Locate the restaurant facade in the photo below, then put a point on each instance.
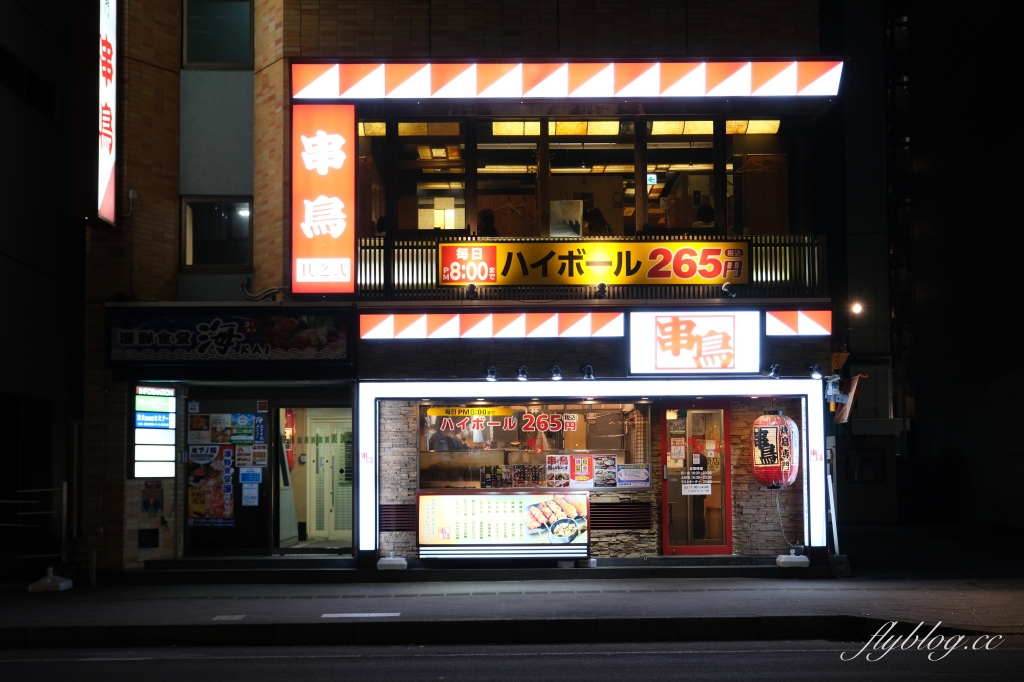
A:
(543, 307)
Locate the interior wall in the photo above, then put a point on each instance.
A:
(300, 472)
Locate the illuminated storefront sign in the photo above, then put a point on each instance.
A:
(798, 323)
(155, 421)
(107, 208)
(592, 263)
(490, 325)
(493, 525)
(323, 198)
(695, 343)
(566, 80)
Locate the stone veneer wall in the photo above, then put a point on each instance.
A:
(755, 521)
(398, 454)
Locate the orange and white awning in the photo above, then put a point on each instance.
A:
(490, 325)
(375, 80)
(798, 323)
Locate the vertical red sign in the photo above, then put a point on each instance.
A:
(323, 198)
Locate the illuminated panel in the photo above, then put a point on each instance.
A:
(323, 198)
(155, 419)
(490, 325)
(107, 207)
(560, 80)
(809, 389)
(798, 323)
(682, 342)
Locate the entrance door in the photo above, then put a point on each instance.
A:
(330, 479)
(696, 486)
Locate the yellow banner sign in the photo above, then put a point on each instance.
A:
(469, 411)
(592, 263)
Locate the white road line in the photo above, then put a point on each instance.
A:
(360, 615)
(228, 617)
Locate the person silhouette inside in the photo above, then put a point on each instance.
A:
(705, 217)
(596, 224)
(485, 224)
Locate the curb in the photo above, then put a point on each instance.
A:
(533, 631)
(220, 576)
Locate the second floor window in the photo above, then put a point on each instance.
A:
(218, 33)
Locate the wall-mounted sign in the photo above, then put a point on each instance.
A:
(463, 411)
(155, 419)
(490, 325)
(798, 323)
(107, 206)
(549, 524)
(593, 263)
(210, 337)
(374, 80)
(323, 198)
(210, 488)
(695, 343)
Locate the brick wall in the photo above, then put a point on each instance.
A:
(276, 22)
(549, 28)
(755, 520)
(136, 260)
(398, 453)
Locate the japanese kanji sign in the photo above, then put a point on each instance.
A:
(106, 48)
(592, 263)
(323, 198)
(695, 343)
(185, 338)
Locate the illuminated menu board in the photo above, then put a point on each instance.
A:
(155, 422)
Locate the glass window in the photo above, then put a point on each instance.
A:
(431, 176)
(217, 233)
(680, 175)
(538, 445)
(218, 32)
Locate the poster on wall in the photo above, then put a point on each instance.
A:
(581, 471)
(503, 519)
(210, 491)
(633, 476)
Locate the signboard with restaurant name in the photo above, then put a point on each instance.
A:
(107, 159)
(324, 158)
(683, 342)
(593, 263)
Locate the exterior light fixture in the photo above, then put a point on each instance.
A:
(774, 371)
(492, 373)
(727, 290)
(522, 374)
(856, 308)
(471, 292)
(602, 291)
(815, 371)
(244, 212)
(587, 371)
(556, 372)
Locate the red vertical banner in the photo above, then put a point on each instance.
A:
(324, 157)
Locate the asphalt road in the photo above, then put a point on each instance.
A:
(805, 660)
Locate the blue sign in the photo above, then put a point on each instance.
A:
(250, 474)
(154, 420)
(260, 430)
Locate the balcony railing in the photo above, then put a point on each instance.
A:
(781, 266)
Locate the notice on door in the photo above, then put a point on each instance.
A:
(210, 490)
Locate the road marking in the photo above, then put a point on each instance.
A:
(360, 615)
(228, 617)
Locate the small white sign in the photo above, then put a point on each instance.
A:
(250, 495)
(193, 407)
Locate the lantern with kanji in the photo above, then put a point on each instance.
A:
(774, 450)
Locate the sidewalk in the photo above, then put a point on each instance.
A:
(503, 612)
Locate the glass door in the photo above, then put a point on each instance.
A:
(330, 470)
(696, 485)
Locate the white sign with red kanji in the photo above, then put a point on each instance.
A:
(107, 125)
(680, 342)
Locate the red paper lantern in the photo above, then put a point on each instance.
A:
(774, 450)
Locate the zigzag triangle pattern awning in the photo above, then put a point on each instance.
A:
(798, 323)
(565, 80)
(491, 325)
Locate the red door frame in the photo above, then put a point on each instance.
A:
(692, 404)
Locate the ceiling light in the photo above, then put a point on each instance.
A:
(735, 127)
(492, 373)
(774, 371)
(522, 374)
(556, 372)
(602, 127)
(815, 371)
(762, 127)
(667, 128)
(587, 372)
(699, 128)
(372, 129)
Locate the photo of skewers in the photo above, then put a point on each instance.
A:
(542, 517)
